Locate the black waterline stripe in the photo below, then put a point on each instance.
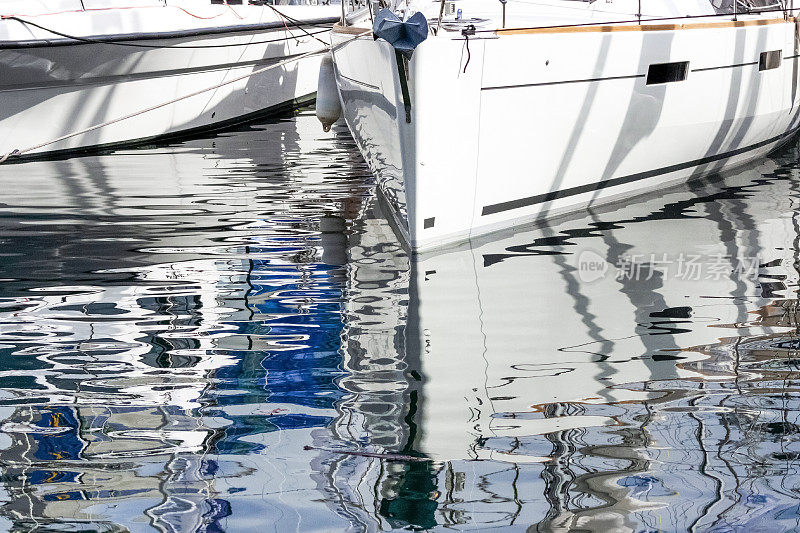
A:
(287, 107)
(120, 78)
(587, 80)
(725, 66)
(154, 36)
(591, 187)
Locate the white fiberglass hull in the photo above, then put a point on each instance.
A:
(528, 124)
(52, 86)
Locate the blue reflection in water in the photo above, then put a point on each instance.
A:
(218, 510)
(64, 443)
(303, 372)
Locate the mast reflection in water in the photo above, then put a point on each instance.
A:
(225, 335)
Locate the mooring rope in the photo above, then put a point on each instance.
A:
(17, 152)
(295, 22)
(122, 42)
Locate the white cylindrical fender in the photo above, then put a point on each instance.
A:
(328, 107)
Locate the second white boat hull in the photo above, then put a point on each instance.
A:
(51, 88)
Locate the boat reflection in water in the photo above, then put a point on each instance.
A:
(626, 370)
(167, 324)
(217, 336)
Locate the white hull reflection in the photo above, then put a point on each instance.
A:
(545, 395)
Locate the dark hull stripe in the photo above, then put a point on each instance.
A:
(725, 66)
(357, 82)
(158, 36)
(122, 78)
(590, 80)
(587, 80)
(592, 187)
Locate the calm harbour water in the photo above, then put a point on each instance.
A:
(225, 335)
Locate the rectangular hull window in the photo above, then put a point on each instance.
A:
(769, 60)
(667, 72)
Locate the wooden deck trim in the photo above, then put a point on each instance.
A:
(644, 27)
(348, 30)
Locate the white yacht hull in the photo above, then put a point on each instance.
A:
(527, 124)
(51, 87)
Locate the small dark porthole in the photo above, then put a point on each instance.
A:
(769, 60)
(667, 72)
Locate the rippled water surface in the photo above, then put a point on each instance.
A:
(225, 335)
